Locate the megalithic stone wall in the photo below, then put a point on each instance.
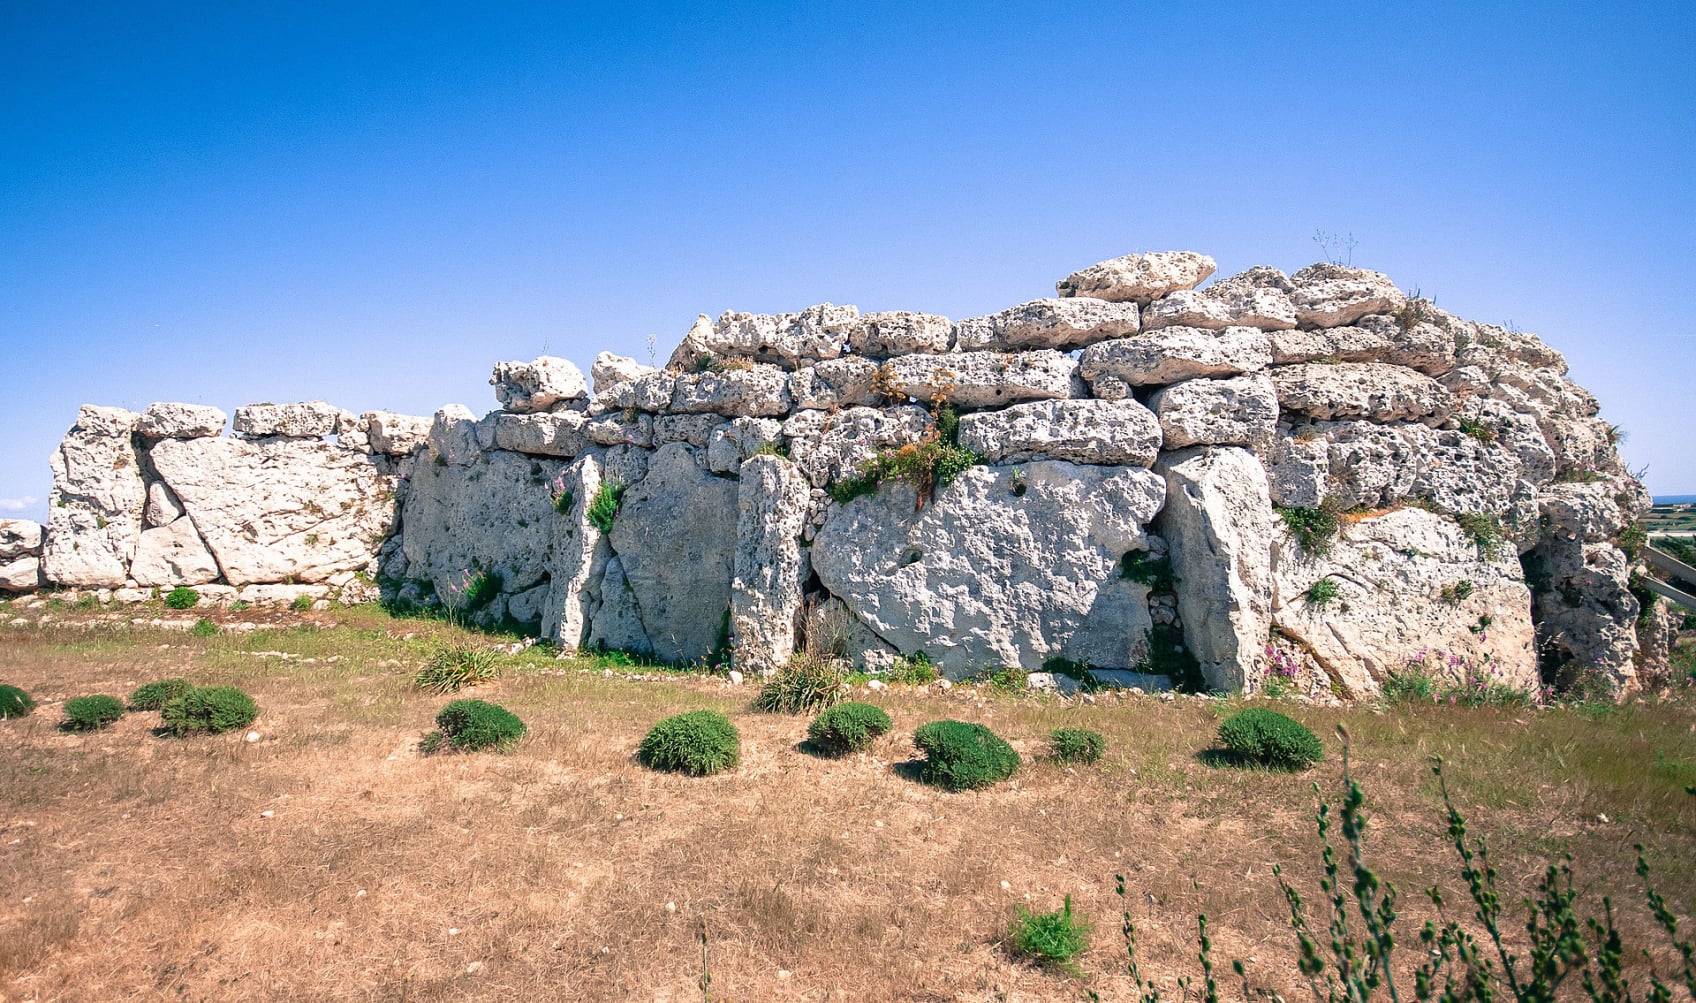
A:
(1107, 479)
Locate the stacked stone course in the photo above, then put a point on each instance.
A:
(1137, 416)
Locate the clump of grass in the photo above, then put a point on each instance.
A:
(14, 702)
(927, 466)
(1051, 939)
(808, 682)
(91, 713)
(1146, 569)
(914, 670)
(209, 709)
(847, 727)
(1456, 593)
(1409, 685)
(470, 725)
(1270, 739)
(1476, 429)
(603, 508)
(204, 628)
(1076, 745)
(1313, 528)
(1007, 679)
(154, 695)
(961, 756)
(1485, 531)
(1165, 654)
(456, 666)
(1322, 593)
(301, 603)
(697, 742)
(181, 597)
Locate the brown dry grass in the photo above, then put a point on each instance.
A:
(140, 867)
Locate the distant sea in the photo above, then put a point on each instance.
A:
(1675, 499)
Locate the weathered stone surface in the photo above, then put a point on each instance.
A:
(737, 440)
(20, 574)
(1047, 323)
(1114, 433)
(395, 434)
(985, 577)
(615, 622)
(831, 629)
(987, 379)
(1500, 426)
(279, 595)
(770, 567)
(173, 555)
(1327, 295)
(94, 513)
(453, 436)
(761, 391)
(1174, 354)
(579, 557)
(1373, 466)
(1378, 338)
(1235, 412)
(1138, 278)
(165, 420)
(557, 433)
(280, 509)
(1298, 469)
(837, 383)
(1370, 390)
(1217, 524)
(787, 339)
(1259, 297)
(1391, 612)
(830, 447)
(300, 420)
(609, 370)
(890, 333)
(1582, 446)
(649, 392)
(1585, 613)
(695, 429)
(493, 516)
(19, 538)
(635, 429)
(1587, 513)
(1109, 388)
(543, 384)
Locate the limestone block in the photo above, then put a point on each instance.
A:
(302, 420)
(1174, 354)
(556, 433)
(987, 379)
(889, 333)
(1114, 433)
(394, 434)
(1138, 278)
(1235, 412)
(94, 513)
(770, 566)
(173, 555)
(1327, 295)
(543, 384)
(180, 421)
(1047, 323)
(1370, 390)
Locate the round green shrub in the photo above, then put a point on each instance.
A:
(91, 713)
(478, 724)
(14, 702)
(181, 597)
(209, 709)
(847, 727)
(1271, 739)
(697, 742)
(961, 756)
(1077, 745)
(154, 695)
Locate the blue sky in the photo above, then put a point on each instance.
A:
(371, 203)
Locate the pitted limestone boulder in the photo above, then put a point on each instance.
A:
(1329, 295)
(20, 538)
(543, 384)
(391, 434)
(738, 439)
(20, 574)
(790, 340)
(173, 555)
(1406, 591)
(300, 420)
(609, 370)
(651, 392)
(1234, 412)
(760, 391)
(1138, 278)
(279, 509)
(831, 447)
(94, 513)
(1362, 464)
(166, 420)
(1047, 323)
(1377, 338)
(1111, 433)
(672, 540)
(1585, 613)
(557, 433)
(837, 383)
(1259, 297)
(1217, 524)
(986, 379)
(493, 517)
(579, 555)
(991, 575)
(1374, 391)
(770, 566)
(1175, 354)
(889, 333)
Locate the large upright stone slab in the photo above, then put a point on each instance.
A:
(1006, 567)
(1218, 527)
(579, 555)
(493, 516)
(1408, 591)
(94, 513)
(765, 594)
(279, 510)
(173, 555)
(673, 537)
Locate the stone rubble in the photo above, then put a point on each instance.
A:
(1134, 452)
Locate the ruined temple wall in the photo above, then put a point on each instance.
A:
(1141, 443)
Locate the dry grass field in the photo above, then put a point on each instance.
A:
(330, 861)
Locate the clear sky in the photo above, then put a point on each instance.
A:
(371, 203)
